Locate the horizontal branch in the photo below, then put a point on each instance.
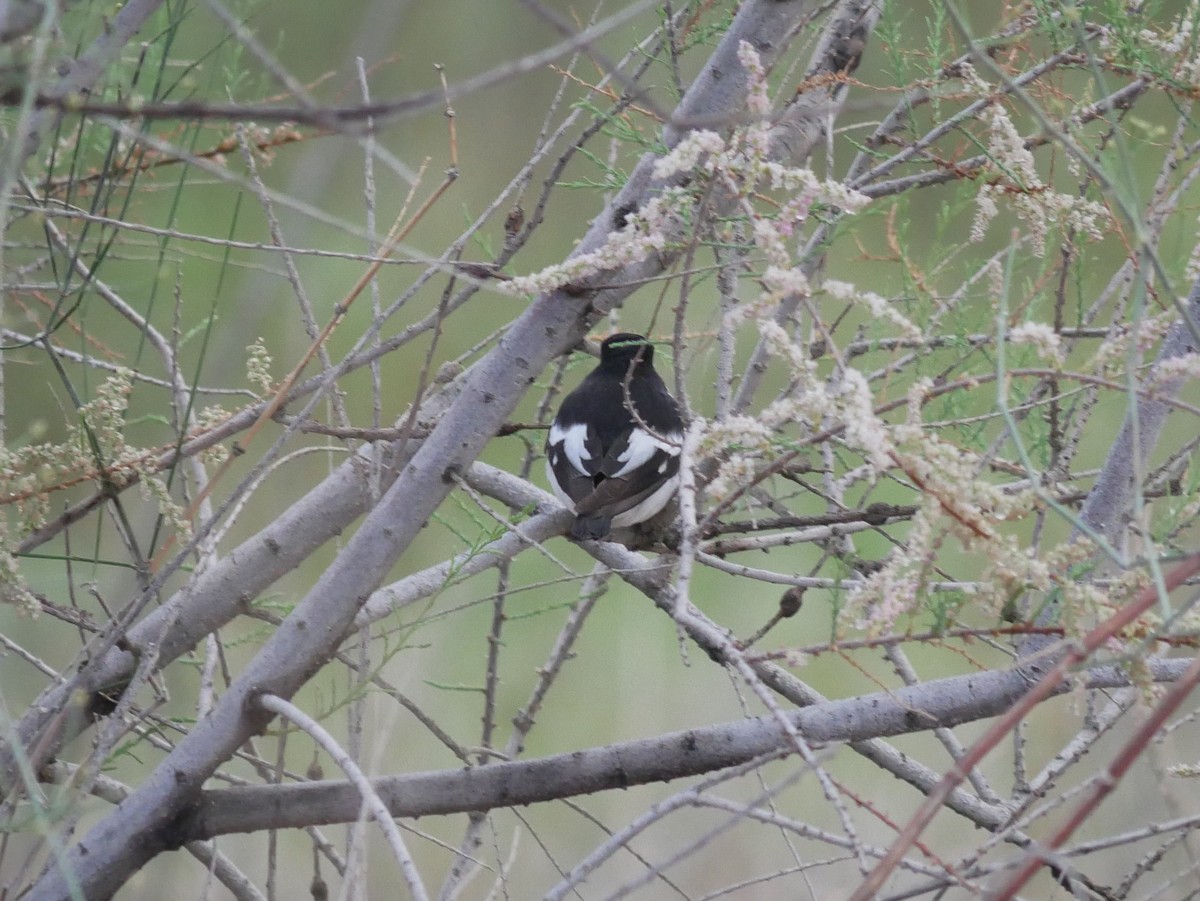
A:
(65, 99)
(676, 755)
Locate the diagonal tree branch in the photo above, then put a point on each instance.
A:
(144, 825)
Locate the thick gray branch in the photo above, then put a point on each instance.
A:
(1108, 503)
(147, 823)
(210, 600)
(942, 703)
(1105, 512)
(82, 74)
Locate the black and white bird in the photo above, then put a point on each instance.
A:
(613, 451)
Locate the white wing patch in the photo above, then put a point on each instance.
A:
(573, 440)
(642, 446)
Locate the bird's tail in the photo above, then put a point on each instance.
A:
(591, 526)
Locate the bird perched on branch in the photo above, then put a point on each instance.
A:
(613, 451)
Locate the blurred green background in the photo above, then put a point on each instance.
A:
(630, 677)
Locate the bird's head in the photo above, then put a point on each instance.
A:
(625, 348)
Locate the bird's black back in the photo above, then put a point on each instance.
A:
(612, 387)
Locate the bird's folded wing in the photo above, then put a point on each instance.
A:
(617, 494)
(571, 482)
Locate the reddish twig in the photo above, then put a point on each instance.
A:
(955, 776)
(1103, 784)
